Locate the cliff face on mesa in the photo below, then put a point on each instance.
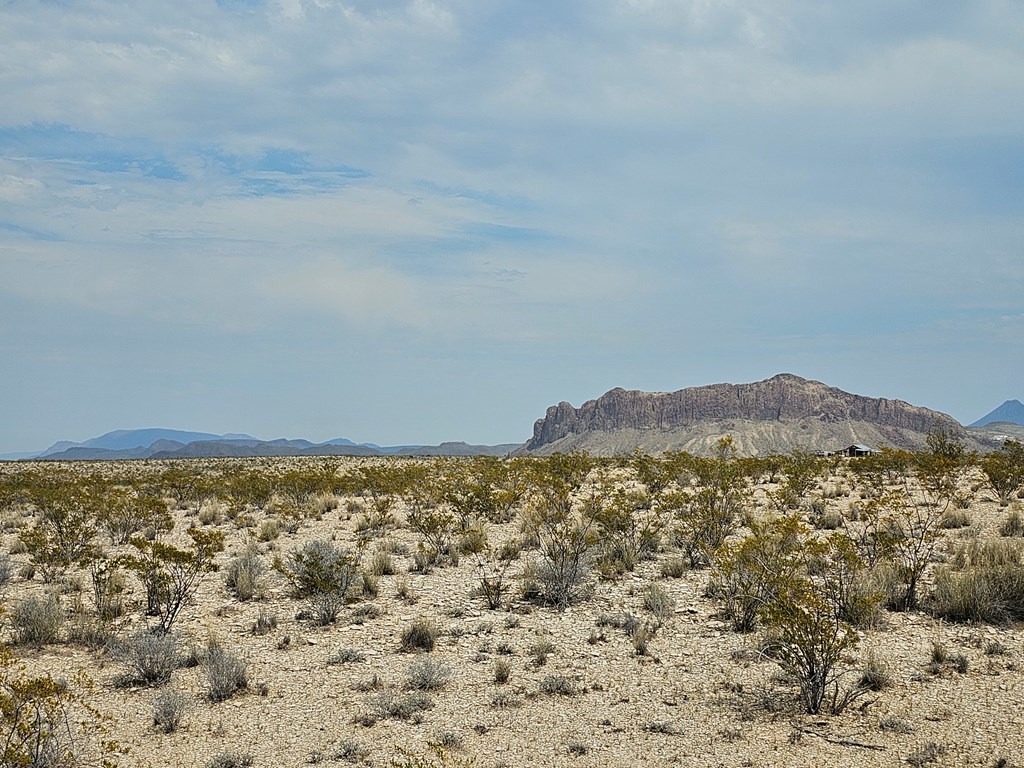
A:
(779, 414)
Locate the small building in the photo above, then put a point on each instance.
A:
(850, 451)
(856, 451)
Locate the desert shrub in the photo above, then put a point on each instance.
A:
(172, 575)
(231, 760)
(350, 751)
(955, 518)
(399, 706)
(108, 587)
(1013, 526)
(6, 569)
(629, 524)
(875, 674)
(540, 650)
(382, 564)
(150, 658)
(673, 567)
(751, 573)
(43, 724)
(321, 573)
(558, 685)
(1005, 470)
(642, 637)
(421, 635)
(37, 620)
(64, 529)
(502, 671)
(226, 674)
(243, 574)
(346, 655)
(708, 511)
(992, 594)
(265, 623)
(168, 709)
(658, 602)
(427, 674)
(85, 629)
(929, 753)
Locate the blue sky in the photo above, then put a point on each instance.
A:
(417, 221)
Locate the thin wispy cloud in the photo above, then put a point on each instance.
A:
(449, 214)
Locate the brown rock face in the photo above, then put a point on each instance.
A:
(815, 410)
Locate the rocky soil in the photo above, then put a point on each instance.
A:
(701, 696)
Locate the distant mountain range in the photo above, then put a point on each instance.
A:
(156, 443)
(1010, 412)
(777, 415)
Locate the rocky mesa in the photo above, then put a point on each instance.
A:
(777, 415)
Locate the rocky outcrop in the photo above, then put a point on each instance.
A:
(773, 409)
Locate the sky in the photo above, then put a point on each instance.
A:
(408, 221)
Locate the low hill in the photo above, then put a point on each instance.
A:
(777, 415)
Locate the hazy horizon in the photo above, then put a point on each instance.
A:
(413, 221)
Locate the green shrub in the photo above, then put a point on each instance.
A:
(323, 574)
(502, 671)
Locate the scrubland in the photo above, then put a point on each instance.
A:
(672, 610)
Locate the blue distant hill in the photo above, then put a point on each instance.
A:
(1011, 411)
(127, 439)
(176, 444)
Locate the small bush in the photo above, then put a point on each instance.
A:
(421, 635)
(396, 706)
(265, 623)
(226, 674)
(954, 519)
(427, 674)
(346, 656)
(151, 658)
(382, 564)
(540, 651)
(1013, 526)
(674, 567)
(875, 675)
(895, 725)
(350, 751)
(502, 671)
(6, 570)
(243, 574)
(231, 760)
(37, 620)
(641, 639)
(659, 603)
(168, 709)
(930, 753)
(558, 685)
